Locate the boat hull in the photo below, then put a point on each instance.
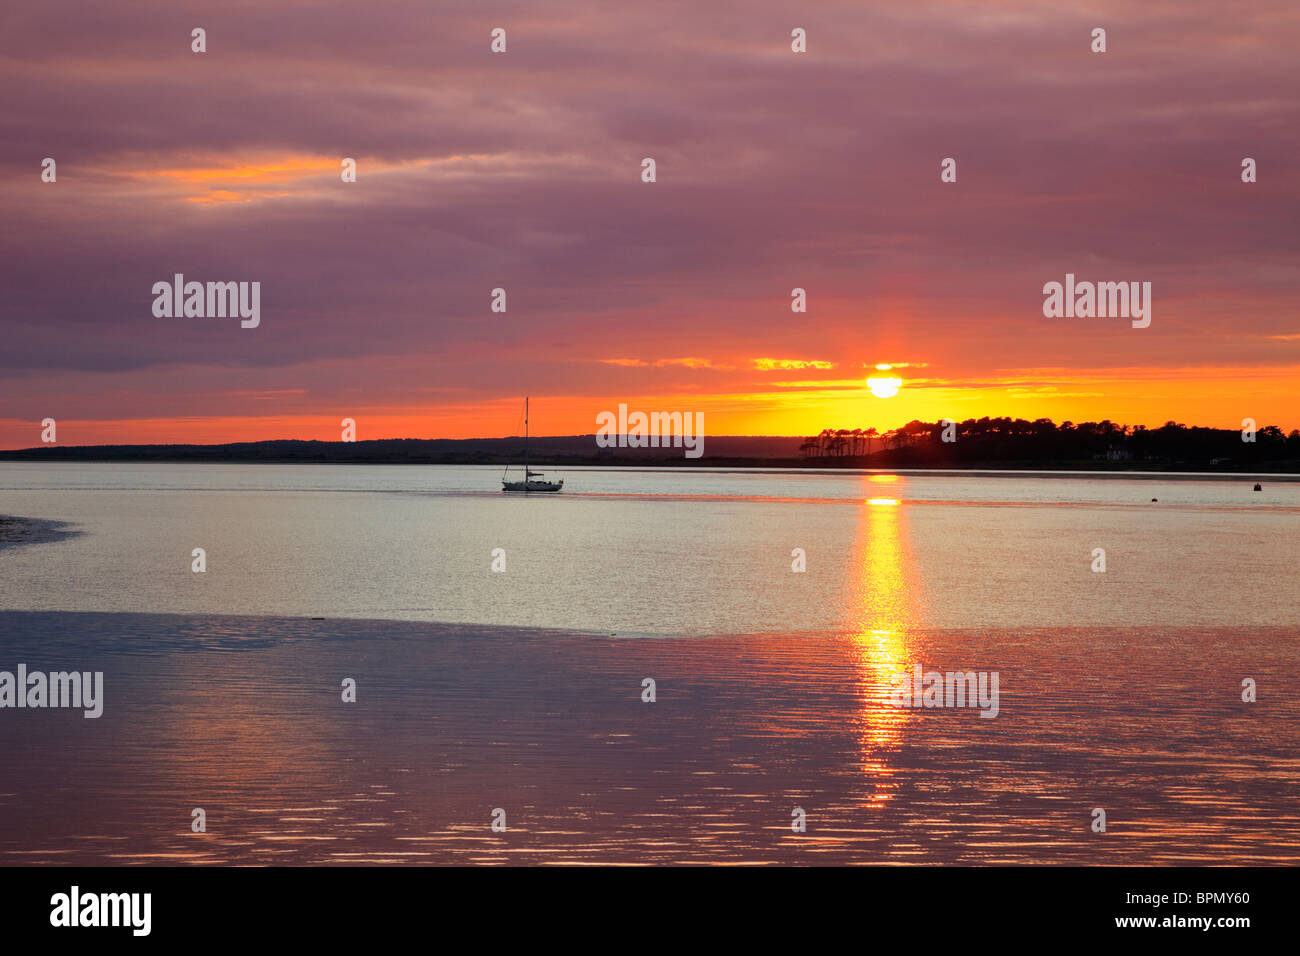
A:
(532, 487)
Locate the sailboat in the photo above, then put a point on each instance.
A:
(529, 484)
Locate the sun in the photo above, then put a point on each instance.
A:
(884, 387)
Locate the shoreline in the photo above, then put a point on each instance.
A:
(17, 530)
(719, 466)
(476, 630)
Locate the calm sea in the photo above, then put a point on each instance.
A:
(523, 691)
(656, 552)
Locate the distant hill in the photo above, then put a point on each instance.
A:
(1001, 443)
(558, 450)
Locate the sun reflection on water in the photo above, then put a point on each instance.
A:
(883, 612)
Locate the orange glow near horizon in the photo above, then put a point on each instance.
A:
(797, 409)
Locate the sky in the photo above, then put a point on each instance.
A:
(522, 170)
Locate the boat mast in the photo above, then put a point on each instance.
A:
(525, 444)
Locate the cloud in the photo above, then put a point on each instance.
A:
(769, 364)
(521, 171)
(689, 362)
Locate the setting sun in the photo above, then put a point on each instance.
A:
(884, 387)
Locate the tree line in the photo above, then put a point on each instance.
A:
(1018, 440)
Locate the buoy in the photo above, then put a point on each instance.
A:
(1155, 499)
(1259, 488)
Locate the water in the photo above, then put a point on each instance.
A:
(1119, 691)
(656, 552)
